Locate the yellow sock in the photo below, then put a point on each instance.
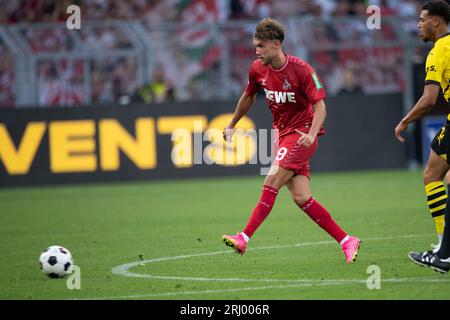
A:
(439, 222)
(437, 202)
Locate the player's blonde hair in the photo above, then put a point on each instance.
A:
(269, 29)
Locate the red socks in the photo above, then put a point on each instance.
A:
(321, 216)
(261, 210)
(311, 207)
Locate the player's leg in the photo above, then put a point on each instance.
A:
(437, 167)
(299, 187)
(447, 178)
(433, 176)
(444, 250)
(276, 178)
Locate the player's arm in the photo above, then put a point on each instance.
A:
(313, 89)
(422, 107)
(243, 106)
(320, 114)
(434, 67)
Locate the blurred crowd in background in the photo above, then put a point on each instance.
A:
(189, 61)
(15, 11)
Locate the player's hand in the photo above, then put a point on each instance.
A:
(228, 134)
(305, 139)
(399, 129)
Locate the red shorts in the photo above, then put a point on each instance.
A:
(293, 157)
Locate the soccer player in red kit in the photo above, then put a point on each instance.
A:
(295, 96)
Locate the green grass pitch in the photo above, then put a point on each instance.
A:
(176, 228)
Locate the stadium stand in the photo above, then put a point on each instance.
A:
(197, 46)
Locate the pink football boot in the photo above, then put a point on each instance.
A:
(350, 248)
(237, 242)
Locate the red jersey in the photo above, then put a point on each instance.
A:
(290, 92)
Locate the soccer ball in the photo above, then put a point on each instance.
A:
(56, 261)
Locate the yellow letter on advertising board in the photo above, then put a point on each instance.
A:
(239, 151)
(141, 150)
(18, 161)
(181, 129)
(182, 148)
(72, 146)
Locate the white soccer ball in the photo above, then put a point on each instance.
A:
(56, 261)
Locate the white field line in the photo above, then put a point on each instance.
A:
(307, 283)
(123, 270)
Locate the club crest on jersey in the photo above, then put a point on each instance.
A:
(263, 82)
(286, 85)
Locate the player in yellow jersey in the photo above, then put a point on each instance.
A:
(433, 26)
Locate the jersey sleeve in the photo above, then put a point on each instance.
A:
(312, 86)
(434, 67)
(252, 85)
